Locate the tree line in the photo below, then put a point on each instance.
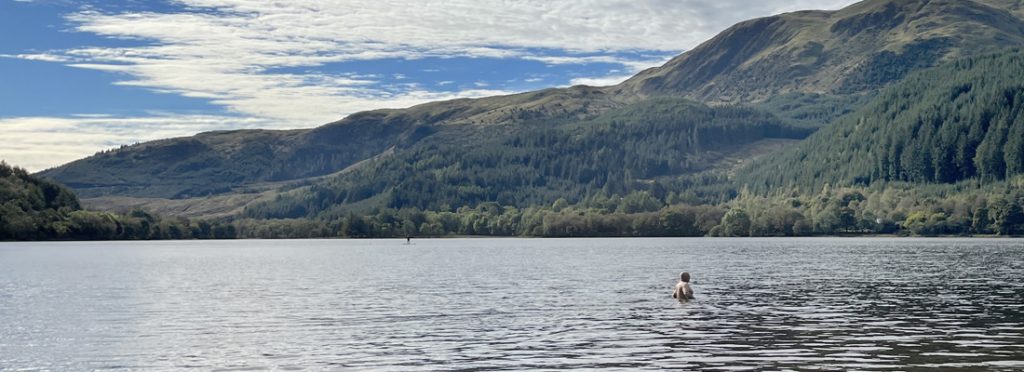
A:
(900, 209)
(905, 209)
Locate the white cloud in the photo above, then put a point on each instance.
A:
(614, 76)
(600, 81)
(42, 57)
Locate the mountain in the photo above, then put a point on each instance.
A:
(958, 122)
(219, 162)
(852, 50)
(756, 87)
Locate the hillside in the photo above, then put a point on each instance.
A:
(852, 50)
(220, 162)
(22, 192)
(654, 145)
(791, 71)
(33, 208)
(961, 121)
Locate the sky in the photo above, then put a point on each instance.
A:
(81, 76)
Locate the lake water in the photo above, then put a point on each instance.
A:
(513, 304)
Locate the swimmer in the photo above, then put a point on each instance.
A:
(683, 291)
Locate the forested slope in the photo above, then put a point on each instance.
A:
(655, 145)
(957, 122)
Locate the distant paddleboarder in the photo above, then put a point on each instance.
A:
(683, 292)
(408, 239)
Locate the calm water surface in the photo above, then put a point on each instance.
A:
(514, 304)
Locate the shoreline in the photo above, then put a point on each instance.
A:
(481, 237)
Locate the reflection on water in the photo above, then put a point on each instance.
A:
(513, 304)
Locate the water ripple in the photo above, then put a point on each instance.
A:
(509, 304)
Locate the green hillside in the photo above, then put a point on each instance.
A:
(961, 121)
(239, 161)
(22, 194)
(655, 146)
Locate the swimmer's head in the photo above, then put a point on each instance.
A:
(685, 276)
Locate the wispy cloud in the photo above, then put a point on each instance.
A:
(630, 64)
(43, 57)
(600, 81)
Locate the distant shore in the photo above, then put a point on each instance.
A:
(455, 237)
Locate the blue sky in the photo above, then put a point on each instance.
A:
(82, 76)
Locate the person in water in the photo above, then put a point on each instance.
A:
(683, 290)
